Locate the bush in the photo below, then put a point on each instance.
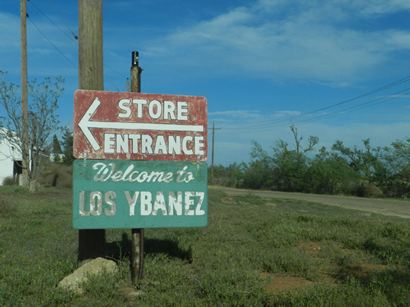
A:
(257, 175)
(230, 176)
(330, 175)
(9, 181)
(368, 189)
(5, 208)
(56, 175)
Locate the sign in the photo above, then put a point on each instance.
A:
(135, 126)
(139, 194)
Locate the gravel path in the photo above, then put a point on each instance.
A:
(385, 206)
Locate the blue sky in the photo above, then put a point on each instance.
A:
(262, 64)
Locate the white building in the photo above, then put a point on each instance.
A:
(10, 158)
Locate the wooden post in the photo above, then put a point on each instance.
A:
(24, 96)
(90, 74)
(137, 244)
(135, 72)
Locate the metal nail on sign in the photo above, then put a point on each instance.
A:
(139, 194)
(135, 126)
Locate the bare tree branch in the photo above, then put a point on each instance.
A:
(43, 119)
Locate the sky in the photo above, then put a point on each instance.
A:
(336, 69)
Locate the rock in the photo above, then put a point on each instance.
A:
(74, 281)
(130, 293)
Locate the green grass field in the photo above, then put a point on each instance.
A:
(254, 252)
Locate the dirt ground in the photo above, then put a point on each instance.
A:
(385, 206)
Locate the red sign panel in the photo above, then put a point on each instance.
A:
(135, 126)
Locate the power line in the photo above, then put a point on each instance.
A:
(275, 122)
(383, 87)
(50, 42)
(360, 106)
(327, 115)
(363, 105)
(68, 32)
(317, 117)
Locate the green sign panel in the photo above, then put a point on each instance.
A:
(139, 194)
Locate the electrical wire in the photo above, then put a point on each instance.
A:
(262, 123)
(311, 119)
(359, 106)
(274, 121)
(68, 32)
(51, 43)
(302, 117)
(383, 87)
(112, 71)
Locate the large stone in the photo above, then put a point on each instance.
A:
(130, 292)
(74, 281)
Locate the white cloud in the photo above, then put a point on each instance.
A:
(286, 113)
(242, 119)
(378, 6)
(399, 39)
(43, 58)
(9, 31)
(396, 96)
(288, 40)
(239, 114)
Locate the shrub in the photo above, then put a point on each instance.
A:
(56, 175)
(368, 189)
(9, 181)
(4, 208)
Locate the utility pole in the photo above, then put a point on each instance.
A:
(213, 150)
(91, 242)
(24, 97)
(137, 247)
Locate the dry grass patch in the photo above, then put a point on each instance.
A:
(227, 200)
(311, 248)
(282, 283)
(361, 271)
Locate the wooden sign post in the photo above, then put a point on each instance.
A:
(141, 160)
(91, 243)
(137, 234)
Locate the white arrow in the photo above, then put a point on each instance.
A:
(85, 124)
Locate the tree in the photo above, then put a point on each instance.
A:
(312, 141)
(397, 156)
(56, 149)
(285, 169)
(56, 145)
(68, 146)
(368, 165)
(258, 173)
(397, 161)
(231, 175)
(330, 174)
(291, 165)
(43, 119)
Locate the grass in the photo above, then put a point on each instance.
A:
(255, 251)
